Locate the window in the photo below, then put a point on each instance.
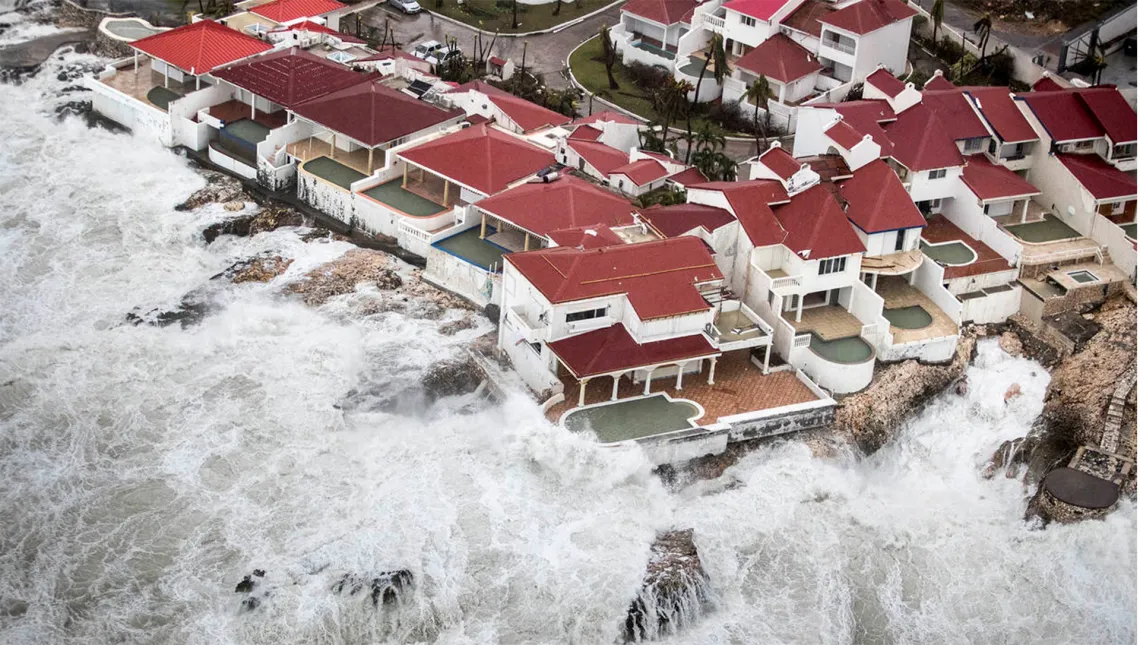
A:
(581, 164)
(973, 144)
(832, 265)
(938, 174)
(1118, 208)
(621, 183)
(537, 347)
(900, 240)
(748, 21)
(993, 147)
(589, 314)
(1083, 145)
(1124, 151)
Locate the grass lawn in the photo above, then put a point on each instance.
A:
(489, 16)
(586, 63)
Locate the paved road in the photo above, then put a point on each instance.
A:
(545, 53)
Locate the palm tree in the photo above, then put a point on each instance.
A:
(709, 137)
(707, 162)
(982, 28)
(670, 99)
(609, 55)
(649, 139)
(557, 7)
(758, 93)
(726, 166)
(715, 55)
(936, 18)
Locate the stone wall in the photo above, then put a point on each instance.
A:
(792, 421)
(1046, 506)
(71, 14)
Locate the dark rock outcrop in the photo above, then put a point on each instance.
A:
(675, 591)
(452, 378)
(341, 276)
(190, 311)
(258, 269)
(219, 189)
(383, 588)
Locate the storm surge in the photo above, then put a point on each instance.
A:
(145, 470)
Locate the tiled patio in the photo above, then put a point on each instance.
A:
(939, 229)
(137, 84)
(740, 387)
(234, 110)
(312, 147)
(897, 293)
(830, 322)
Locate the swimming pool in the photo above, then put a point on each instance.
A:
(633, 418)
(1049, 229)
(1083, 276)
(949, 253)
(913, 317)
(851, 349)
(1129, 230)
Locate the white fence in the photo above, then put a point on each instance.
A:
(1121, 248)
(994, 307)
(139, 117)
(459, 276)
(928, 280)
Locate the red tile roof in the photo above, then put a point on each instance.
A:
(920, 142)
(688, 177)
(780, 59)
(480, 157)
(844, 134)
(1113, 113)
(665, 12)
(815, 223)
(759, 9)
(990, 181)
(373, 113)
(587, 237)
(868, 15)
(603, 158)
(867, 116)
(751, 201)
(806, 17)
(529, 116)
(1046, 84)
(604, 351)
(314, 27)
(1103, 180)
(657, 277)
(877, 201)
(885, 82)
(200, 47)
(678, 219)
(605, 116)
(495, 60)
(565, 203)
(938, 82)
(1065, 116)
(585, 133)
(1002, 114)
(642, 171)
(287, 10)
(289, 77)
(957, 118)
(781, 162)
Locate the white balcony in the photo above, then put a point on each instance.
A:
(839, 46)
(738, 327)
(533, 331)
(713, 23)
(785, 284)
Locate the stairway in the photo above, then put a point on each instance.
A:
(1110, 438)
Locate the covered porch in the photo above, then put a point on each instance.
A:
(361, 160)
(893, 264)
(1023, 211)
(508, 235)
(140, 81)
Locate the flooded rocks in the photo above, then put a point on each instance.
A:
(453, 327)
(342, 275)
(245, 225)
(452, 378)
(675, 591)
(247, 585)
(190, 311)
(1010, 343)
(1012, 392)
(384, 588)
(220, 188)
(258, 269)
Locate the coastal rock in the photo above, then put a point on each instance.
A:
(262, 221)
(1012, 391)
(492, 311)
(385, 588)
(1010, 343)
(234, 206)
(259, 269)
(452, 378)
(455, 326)
(869, 418)
(190, 311)
(245, 586)
(674, 592)
(343, 274)
(219, 189)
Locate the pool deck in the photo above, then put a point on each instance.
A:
(392, 193)
(830, 322)
(939, 229)
(234, 110)
(137, 84)
(1105, 273)
(312, 147)
(332, 171)
(896, 294)
(740, 387)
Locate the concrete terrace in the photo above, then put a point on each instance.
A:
(138, 84)
(940, 230)
(312, 147)
(829, 322)
(897, 294)
(740, 387)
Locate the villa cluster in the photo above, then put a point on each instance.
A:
(887, 225)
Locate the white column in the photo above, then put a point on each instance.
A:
(197, 82)
(910, 278)
(799, 307)
(136, 61)
(680, 374)
(582, 392)
(1024, 211)
(648, 380)
(166, 75)
(767, 356)
(712, 369)
(874, 281)
(617, 379)
(252, 106)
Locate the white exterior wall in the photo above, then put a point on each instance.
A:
(887, 47)
(737, 31)
(884, 243)
(922, 187)
(621, 136)
(141, 118)
(644, 331)
(625, 185)
(994, 308)
(188, 131)
(459, 276)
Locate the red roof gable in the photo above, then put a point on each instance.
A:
(529, 116)
(877, 201)
(603, 158)
(781, 59)
(586, 237)
(1000, 111)
(1113, 113)
(373, 113)
(1104, 181)
(678, 219)
(957, 118)
(1065, 116)
(938, 82)
(844, 134)
(480, 157)
(607, 115)
(781, 162)
(289, 77)
(751, 203)
(806, 17)
(657, 277)
(314, 27)
(612, 349)
(1046, 84)
(565, 203)
(585, 133)
(990, 181)
(665, 12)
(920, 142)
(642, 171)
(288, 10)
(200, 47)
(688, 177)
(867, 116)
(759, 9)
(816, 223)
(868, 15)
(885, 82)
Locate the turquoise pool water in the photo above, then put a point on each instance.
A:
(913, 317)
(841, 350)
(633, 419)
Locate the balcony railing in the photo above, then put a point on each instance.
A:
(714, 23)
(531, 331)
(787, 282)
(839, 46)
